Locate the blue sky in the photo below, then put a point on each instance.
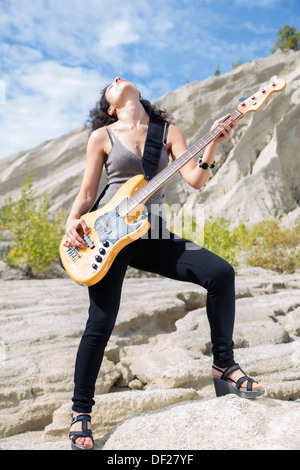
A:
(57, 55)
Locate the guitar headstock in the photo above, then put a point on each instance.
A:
(257, 100)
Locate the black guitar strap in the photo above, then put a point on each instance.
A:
(156, 138)
(95, 206)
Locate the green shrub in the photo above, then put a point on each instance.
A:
(219, 239)
(35, 236)
(266, 244)
(215, 236)
(288, 38)
(237, 63)
(274, 247)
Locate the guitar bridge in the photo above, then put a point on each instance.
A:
(73, 253)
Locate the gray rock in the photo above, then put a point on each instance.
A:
(158, 355)
(226, 423)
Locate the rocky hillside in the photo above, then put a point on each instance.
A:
(257, 173)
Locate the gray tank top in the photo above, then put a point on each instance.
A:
(121, 164)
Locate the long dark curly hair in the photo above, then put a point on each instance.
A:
(99, 117)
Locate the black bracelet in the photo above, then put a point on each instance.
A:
(205, 165)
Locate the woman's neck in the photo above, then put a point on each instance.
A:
(133, 114)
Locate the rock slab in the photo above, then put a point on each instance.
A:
(156, 366)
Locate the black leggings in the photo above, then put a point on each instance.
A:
(171, 257)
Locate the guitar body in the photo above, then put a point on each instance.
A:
(109, 233)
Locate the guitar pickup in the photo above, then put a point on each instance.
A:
(103, 225)
(73, 253)
(88, 241)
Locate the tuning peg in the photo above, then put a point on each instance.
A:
(242, 99)
(272, 80)
(262, 87)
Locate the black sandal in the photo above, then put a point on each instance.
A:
(224, 387)
(85, 432)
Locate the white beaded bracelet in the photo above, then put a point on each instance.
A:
(205, 165)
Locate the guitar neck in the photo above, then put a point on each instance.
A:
(161, 178)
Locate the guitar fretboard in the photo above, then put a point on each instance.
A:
(167, 173)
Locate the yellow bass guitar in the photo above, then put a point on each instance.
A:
(119, 223)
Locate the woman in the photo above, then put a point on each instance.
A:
(119, 129)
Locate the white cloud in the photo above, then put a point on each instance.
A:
(140, 69)
(54, 100)
(13, 55)
(56, 55)
(257, 28)
(2, 92)
(118, 33)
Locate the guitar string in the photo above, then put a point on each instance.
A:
(169, 171)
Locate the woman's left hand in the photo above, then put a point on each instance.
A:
(225, 129)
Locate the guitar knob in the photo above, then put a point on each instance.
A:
(106, 243)
(98, 258)
(102, 251)
(95, 266)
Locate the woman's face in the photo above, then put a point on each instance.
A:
(118, 88)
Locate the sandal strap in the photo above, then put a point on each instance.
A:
(240, 381)
(227, 371)
(230, 370)
(75, 434)
(85, 432)
(217, 368)
(250, 383)
(83, 418)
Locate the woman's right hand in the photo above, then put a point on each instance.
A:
(72, 237)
